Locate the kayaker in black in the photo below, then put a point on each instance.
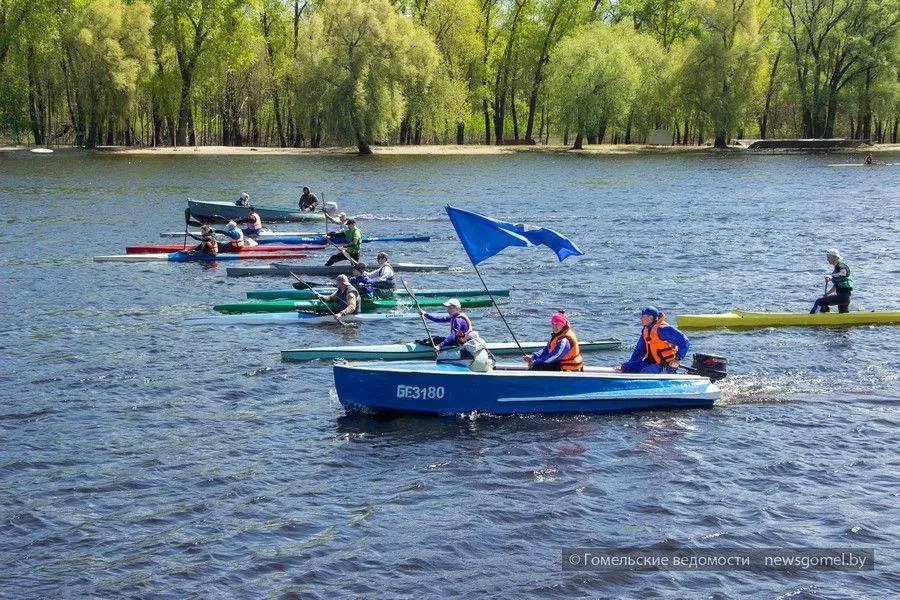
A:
(308, 201)
(841, 285)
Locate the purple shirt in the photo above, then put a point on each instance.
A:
(458, 324)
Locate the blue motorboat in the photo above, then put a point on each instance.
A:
(451, 388)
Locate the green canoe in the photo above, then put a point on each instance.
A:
(416, 350)
(369, 305)
(305, 294)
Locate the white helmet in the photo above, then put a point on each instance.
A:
(231, 225)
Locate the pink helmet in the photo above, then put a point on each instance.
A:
(559, 318)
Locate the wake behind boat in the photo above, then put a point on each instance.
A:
(285, 270)
(418, 350)
(450, 388)
(747, 319)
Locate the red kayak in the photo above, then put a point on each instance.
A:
(165, 248)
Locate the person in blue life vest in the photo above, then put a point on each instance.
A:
(660, 347)
(562, 352)
(841, 285)
(346, 296)
(236, 239)
(460, 324)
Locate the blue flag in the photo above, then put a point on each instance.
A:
(482, 237)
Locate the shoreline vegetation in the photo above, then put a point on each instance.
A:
(447, 150)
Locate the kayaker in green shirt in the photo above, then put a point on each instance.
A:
(841, 285)
(353, 237)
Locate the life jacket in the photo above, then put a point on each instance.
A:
(209, 245)
(845, 282)
(461, 335)
(237, 237)
(572, 360)
(343, 298)
(658, 350)
(254, 222)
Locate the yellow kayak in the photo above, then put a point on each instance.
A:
(740, 318)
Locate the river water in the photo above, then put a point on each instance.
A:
(140, 457)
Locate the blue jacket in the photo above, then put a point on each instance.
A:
(666, 333)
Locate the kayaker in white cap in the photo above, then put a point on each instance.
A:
(340, 220)
(841, 285)
(460, 323)
(346, 296)
(235, 237)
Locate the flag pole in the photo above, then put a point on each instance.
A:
(497, 306)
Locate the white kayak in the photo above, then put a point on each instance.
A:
(295, 318)
(265, 234)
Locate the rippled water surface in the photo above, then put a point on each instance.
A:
(143, 458)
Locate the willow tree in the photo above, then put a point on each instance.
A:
(722, 61)
(106, 47)
(831, 43)
(593, 78)
(374, 55)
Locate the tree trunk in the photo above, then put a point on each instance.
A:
(770, 91)
(721, 143)
(487, 122)
(460, 133)
(278, 126)
(866, 108)
(601, 132)
(35, 101)
(404, 130)
(512, 112)
(363, 147)
(578, 142)
(185, 117)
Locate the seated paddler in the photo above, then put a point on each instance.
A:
(460, 324)
(660, 347)
(208, 244)
(347, 298)
(562, 352)
(236, 239)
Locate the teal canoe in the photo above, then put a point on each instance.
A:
(369, 305)
(305, 294)
(416, 351)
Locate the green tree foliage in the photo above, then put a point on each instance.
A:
(593, 78)
(314, 72)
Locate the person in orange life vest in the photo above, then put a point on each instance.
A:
(561, 353)
(660, 347)
(235, 237)
(208, 244)
(460, 324)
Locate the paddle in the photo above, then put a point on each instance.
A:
(187, 220)
(336, 318)
(421, 316)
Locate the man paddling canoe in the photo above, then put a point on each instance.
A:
(660, 347)
(562, 352)
(253, 222)
(236, 239)
(841, 288)
(351, 248)
(346, 296)
(460, 324)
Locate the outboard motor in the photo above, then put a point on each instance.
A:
(709, 365)
(331, 208)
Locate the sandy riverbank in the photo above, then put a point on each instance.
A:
(448, 150)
